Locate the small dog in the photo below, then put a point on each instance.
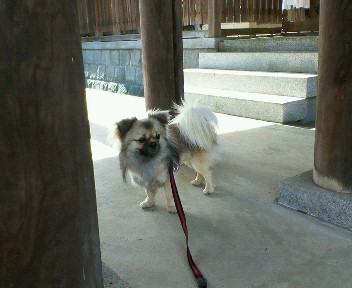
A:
(166, 139)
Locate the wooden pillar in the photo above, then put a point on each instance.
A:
(214, 18)
(48, 217)
(162, 52)
(333, 140)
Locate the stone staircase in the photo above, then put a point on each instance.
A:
(272, 79)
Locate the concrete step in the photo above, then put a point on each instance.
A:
(296, 62)
(273, 108)
(266, 44)
(274, 83)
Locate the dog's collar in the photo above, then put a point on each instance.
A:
(175, 166)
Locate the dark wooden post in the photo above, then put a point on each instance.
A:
(161, 33)
(214, 18)
(48, 218)
(333, 140)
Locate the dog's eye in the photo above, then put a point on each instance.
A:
(157, 136)
(142, 139)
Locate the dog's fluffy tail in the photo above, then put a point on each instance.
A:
(197, 124)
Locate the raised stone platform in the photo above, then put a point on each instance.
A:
(266, 44)
(302, 194)
(292, 62)
(112, 279)
(273, 108)
(274, 83)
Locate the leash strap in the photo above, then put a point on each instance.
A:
(201, 281)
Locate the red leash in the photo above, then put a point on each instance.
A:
(201, 281)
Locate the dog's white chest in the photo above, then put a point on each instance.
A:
(149, 174)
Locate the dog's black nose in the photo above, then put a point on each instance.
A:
(152, 144)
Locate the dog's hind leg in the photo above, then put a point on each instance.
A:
(199, 179)
(209, 183)
(169, 197)
(201, 164)
(150, 199)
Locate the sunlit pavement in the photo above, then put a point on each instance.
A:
(239, 236)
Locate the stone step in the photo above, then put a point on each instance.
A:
(273, 108)
(274, 83)
(296, 62)
(266, 44)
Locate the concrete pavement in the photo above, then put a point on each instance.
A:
(239, 236)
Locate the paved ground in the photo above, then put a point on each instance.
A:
(240, 237)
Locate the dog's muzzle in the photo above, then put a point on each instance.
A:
(150, 149)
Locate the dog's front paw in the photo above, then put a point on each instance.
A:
(171, 209)
(208, 191)
(147, 204)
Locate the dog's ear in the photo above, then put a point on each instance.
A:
(161, 116)
(123, 126)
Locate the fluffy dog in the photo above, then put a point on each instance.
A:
(166, 139)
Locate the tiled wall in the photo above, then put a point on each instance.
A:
(117, 66)
(116, 70)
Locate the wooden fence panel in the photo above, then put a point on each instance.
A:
(275, 7)
(114, 7)
(225, 11)
(261, 14)
(127, 18)
(277, 10)
(97, 15)
(230, 11)
(86, 18)
(106, 16)
(237, 10)
(244, 10)
(261, 10)
(255, 10)
(267, 11)
(118, 16)
(250, 10)
(205, 11)
(198, 11)
(195, 12)
(121, 16)
(136, 21)
(109, 16)
(186, 12)
(192, 12)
